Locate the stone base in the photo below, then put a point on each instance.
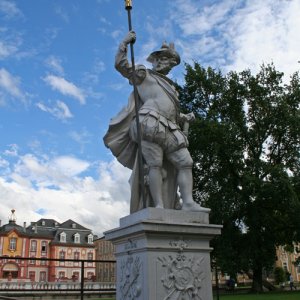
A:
(163, 254)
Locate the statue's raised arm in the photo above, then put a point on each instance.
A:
(121, 62)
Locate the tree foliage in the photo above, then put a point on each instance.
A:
(245, 145)
(279, 275)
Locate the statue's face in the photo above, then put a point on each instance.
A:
(162, 64)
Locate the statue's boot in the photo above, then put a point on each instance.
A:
(185, 182)
(193, 206)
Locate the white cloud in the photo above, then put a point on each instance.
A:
(60, 12)
(60, 110)
(55, 64)
(93, 76)
(82, 137)
(60, 171)
(10, 84)
(70, 166)
(238, 35)
(55, 188)
(266, 32)
(65, 87)
(4, 166)
(104, 21)
(7, 49)
(9, 9)
(3, 163)
(116, 34)
(99, 66)
(12, 151)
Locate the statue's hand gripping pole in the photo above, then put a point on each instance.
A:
(128, 7)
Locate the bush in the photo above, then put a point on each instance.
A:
(279, 275)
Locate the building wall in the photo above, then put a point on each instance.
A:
(32, 245)
(63, 270)
(286, 260)
(6, 245)
(12, 267)
(105, 271)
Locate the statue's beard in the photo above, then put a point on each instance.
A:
(163, 69)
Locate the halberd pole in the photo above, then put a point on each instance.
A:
(128, 7)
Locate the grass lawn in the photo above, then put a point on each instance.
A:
(265, 296)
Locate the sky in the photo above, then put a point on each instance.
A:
(59, 89)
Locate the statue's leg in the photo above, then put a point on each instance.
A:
(153, 155)
(155, 186)
(185, 183)
(182, 161)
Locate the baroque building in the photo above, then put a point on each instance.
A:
(47, 239)
(289, 261)
(105, 270)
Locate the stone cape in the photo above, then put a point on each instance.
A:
(118, 140)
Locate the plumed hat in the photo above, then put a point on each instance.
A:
(165, 50)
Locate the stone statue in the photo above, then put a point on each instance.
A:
(167, 161)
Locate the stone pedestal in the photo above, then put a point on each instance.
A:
(163, 254)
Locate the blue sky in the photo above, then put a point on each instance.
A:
(59, 88)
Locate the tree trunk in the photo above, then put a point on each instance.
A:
(266, 284)
(257, 284)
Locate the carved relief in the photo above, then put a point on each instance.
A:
(130, 245)
(183, 276)
(130, 286)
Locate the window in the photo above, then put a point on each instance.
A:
(43, 223)
(62, 254)
(33, 244)
(75, 276)
(90, 239)
(43, 262)
(32, 275)
(76, 255)
(32, 261)
(73, 225)
(61, 274)
(105, 274)
(44, 247)
(13, 244)
(90, 275)
(43, 276)
(112, 269)
(90, 256)
(63, 237)
(76, 238)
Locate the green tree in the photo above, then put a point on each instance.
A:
(245, 145)
(280, 275)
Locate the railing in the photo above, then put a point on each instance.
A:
(67, 285)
